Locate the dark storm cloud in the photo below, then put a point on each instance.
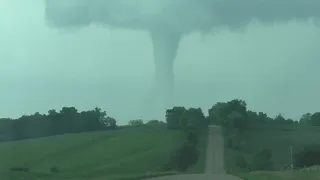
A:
(181, 15)
(274, 68)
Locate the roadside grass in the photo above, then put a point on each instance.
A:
(278, 139)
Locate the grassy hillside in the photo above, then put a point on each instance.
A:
(269, 175)
(276, 138)
(94, 155)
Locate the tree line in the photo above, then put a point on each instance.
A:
(67, 120)
(232, 115)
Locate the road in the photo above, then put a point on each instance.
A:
(214, 168)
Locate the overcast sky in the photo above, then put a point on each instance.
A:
(273, 68)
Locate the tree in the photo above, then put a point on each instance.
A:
(68, 117)
(232, 114)
(136, 122)
(257, 118)
(52, 112)
(192, 119)
(110, 122)
(155, 122)
(305, 119)
(217, 113)
(173, 117)
(279, 119)
(235, 120)
(18, 128)
(315, 119)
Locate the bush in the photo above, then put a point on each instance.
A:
(262, 160)
(184, 157)
(192, 138)
(309, 156)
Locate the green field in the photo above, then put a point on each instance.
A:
(278, 139)
(127, 152)
(135, 152)
(269, 175)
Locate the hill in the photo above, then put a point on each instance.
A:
(125, 152)
(278, 139)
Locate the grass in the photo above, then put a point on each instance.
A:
(278, 139)
(122, 154)
(276, 175)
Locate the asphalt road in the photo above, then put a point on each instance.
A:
(214, 168)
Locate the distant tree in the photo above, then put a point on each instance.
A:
(315, 119)
(218, 113)
(193, 119)
(110, 123)
(263, 117)
(136, 122)
(68, 118)
(305, 119)
(291, 121)
(279, 119)
(235, 120)
(18, 129)
(52, 112)
(257, 118)
(155, 122)
(232, 114)
(173, 117)
(92, 120)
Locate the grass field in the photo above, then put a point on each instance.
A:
(276, 175)
(121, 154)
(278, 139)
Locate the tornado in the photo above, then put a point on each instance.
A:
(168, 21)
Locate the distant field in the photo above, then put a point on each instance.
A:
(278, 139)
(97, 155)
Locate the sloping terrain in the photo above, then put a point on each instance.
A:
(128, 151)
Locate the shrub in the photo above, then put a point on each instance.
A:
(184, 157)
(192, 138)
(262, 160)
(309, 156)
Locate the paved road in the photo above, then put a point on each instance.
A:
(214, 168)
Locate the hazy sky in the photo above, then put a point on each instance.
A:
(273, 68)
